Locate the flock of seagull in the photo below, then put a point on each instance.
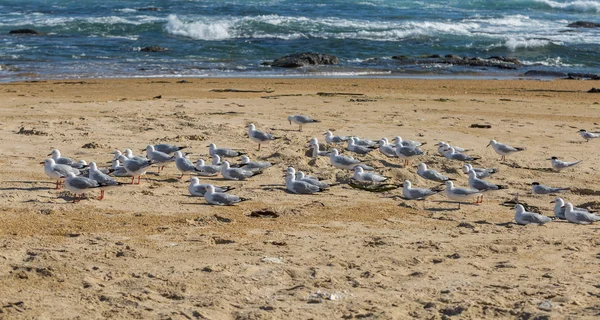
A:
(79, 177)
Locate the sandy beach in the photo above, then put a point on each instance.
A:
(151, 251)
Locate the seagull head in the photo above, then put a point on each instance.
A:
(359, 169)
(200, 162)
(93, 166)
(226, 165)
(449, 184)
(582, 130)
(422, 166)
(519, 208)
(472, 174)
(55, 154)
(568, 206)
(492, 143)
(558, 201)
(552, 158)
(210, 188)
(70, 175)
(290, 170)
(290, 119)
(194, 180)
(406, 184)
(48, 162)
(251, 127)
(149, 148)
(334, 152)
(466, 168)
(245, 160)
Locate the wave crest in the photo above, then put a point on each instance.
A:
(579, 5)
(198, 30)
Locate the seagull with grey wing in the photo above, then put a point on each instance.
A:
(230, 173)
(223, 152)
(407, 153)
(460, 194)
(558, 165)
(452, 154)
(195, 188)
(316, 151)
(160, 159)
(430, 174)
(59, 159)
(103, 179)
(118, 170)
(220, 198)
(538, 188)
(503, 149)
(523, 217)
(411, 193)
(398, 142)
(344, 162)
(482, 185)
(312, 180)
(168, 148)
(330, 138)
(254, 166)
(371, 177)
(387, 149)
(299, 187)
(578, 216)
(212, 169)
(559, 208)
(301, 120)
(353, 147)
(259, 136)
(589, 135)
(184, 165)
(481, 172)
(364, 142)
(58, 171)
(79, 185)
(136, 166)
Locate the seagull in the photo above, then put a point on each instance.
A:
(209, 169)
(159, 158)
(482, 185)
(343, 162)
(220, 198)
(538, 188)
(81, 164)
(579, 217)
(364, 142)
(429, 174)
(406, 143)
(167, 148)
(481, 172)
(129, 155)
(254, 166)
(416, 193)
(523, 217)
(78, 185)
(589, 135)
(503, 149)
(407, 153)
(353, 147)
(136, 166)
(300, 120)
(558, 165)
(259, 136)
(316, 152)
(446, 145)
(362, 176)
(184, 165)
(311, 180)
(116, 154)
(330, 138)
(236, 173)
(387, 149)
(58, 159)
(223, 152)
(559, 208)
(197, 189)
(299, 187)
(58, 171)
(452, 154)
(460, 194)
(118, 170)
(103, 179)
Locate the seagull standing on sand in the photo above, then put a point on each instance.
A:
(209, 169)
(411, 193)
(160, 159)
(558, 165)
(429, 174)
(79, 185)
(259, 136)
(523, 217)
(406, 143)
(167, 148)
(460, 194)
(103, 179)
(136, 166)
(537, 188)
(481, 172)
(223, 152)
(589, 135)
(220, 198)
(482, 185)
(362, 176)
(330, 138)
(299, 187)
(503, 149)
(198, 189)
(407, 153)
(58, 171)
(579, 217)
(118, 170)
(301, 120)
(184, 165)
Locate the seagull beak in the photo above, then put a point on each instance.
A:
(290, 121)
(551, 201)
(49, 154)
(42, 162)
(488, 145)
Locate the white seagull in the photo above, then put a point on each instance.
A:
(58, 171)
(430, 174)
(259, 136)
(220, 198)
(481, 172)
(184, 165)
(299, 187)
(198, 189)
(301, 120)
(503, 149)
(223, 152)
(103, 179)
(523, 217)
(461, 194)
(411, 193)
(236, 173)
(362, 176)
(330, 138)
(579, 217)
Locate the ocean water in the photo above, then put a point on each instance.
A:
(102, 39)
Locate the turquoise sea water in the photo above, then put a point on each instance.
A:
(85, 38)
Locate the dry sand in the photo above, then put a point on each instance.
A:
(150, 251)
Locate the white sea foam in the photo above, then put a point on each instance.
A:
(199, 30)
(578, 6)
(550, 62)
(513, 44)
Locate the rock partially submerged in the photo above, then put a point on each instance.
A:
(25, 32)
(153, 49)
(298, 60)
(583, 24)
(493, 62)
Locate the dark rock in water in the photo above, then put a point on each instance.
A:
(297, 60)
(148, 9)
(25, 31)
(153, 49)
(495, 62)
(583, 76)
(544, 73)
(583, 24)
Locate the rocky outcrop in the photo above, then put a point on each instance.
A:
(153, 49)
(298, 60)
(25, 31)
(493, 62)
(583, 24)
